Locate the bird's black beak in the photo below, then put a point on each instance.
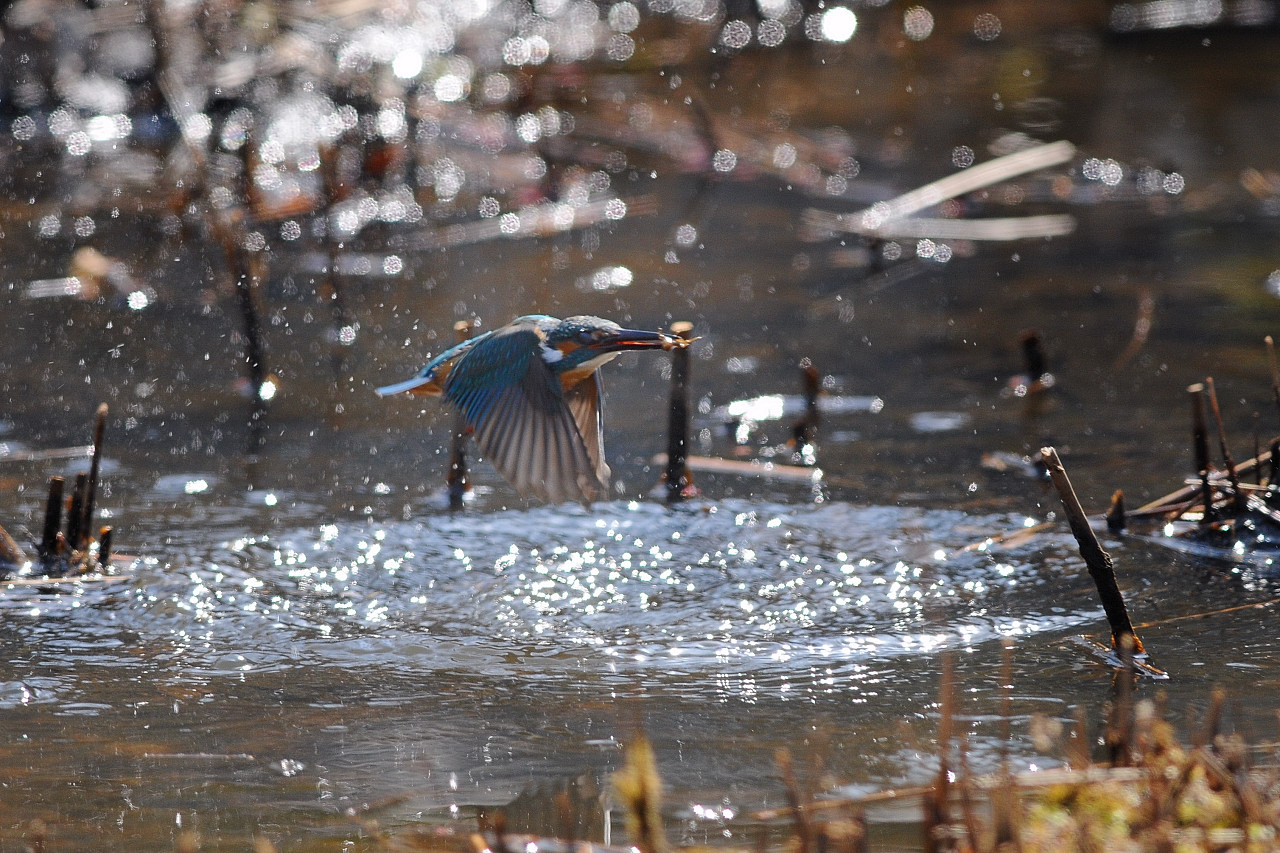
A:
(629, 339)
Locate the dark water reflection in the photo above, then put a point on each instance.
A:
(310, 630)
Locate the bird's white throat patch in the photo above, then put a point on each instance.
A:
(549, 353)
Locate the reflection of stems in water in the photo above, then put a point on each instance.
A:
(1003, 805)
(803, 830)
(1119, 730)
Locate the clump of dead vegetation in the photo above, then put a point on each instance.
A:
(68, 546)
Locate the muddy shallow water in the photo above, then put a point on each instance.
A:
(309, 629)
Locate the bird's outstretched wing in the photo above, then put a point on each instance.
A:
(586, 403)
(521, 422)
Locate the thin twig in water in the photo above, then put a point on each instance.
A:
(1098, 561)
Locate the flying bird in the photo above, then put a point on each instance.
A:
(530, 395)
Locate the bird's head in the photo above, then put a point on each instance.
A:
(584, 343)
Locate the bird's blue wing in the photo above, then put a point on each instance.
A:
(519, 417)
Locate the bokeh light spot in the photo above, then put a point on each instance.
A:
(917, 23)
(839, 24)
(986, 27)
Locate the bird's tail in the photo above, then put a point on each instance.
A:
(416, 385)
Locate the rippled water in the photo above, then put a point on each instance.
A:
(308, 630)
(545, 628)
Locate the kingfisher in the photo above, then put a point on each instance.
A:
(530, 396)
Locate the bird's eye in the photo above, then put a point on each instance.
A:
(586, 336)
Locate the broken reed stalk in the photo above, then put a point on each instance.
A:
(52, 522)
(1098, 561)
(60, 552)
(936, 814)
(677, 476)
(99, 428)
(968, 814)
(639, 790)
(1275, 372)
(10, 554)
(75, 512)
(457, 480)
(1115, 513)
(805, 430)
(104, 548)
(1003, 802)
(1200, 445)
(803, 829)
(1237, 496)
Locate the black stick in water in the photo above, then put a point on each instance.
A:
(805, 430)
(75, 512)
(1273, 471)
(1115, 513)
(52, 523)
(99, 428)
(677, 476)
(1101, 568)
(104, 548)
(1200, 439)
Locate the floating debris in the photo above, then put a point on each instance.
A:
(95, 276)
(888, 219)
(1230, 513)
(1192, 14)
